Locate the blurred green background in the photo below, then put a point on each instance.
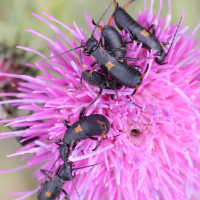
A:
(15, 17)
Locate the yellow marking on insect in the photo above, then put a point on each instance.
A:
(121, 60)
(53, 178)
(93, 57)
(109, 65)
(48, 194)
(78, 128)
(145, 33)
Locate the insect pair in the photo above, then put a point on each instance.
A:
(110, 56)
(86, 127)
(51, 189)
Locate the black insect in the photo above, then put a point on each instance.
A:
(27, 141)
(94, 78)
(112, 65)
(122, 73)
(112, 41)
(51, 189)
(140, 34)
(86, 127)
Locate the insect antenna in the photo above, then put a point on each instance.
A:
(48, 175)
(74, 184)
(127, 4)
(174, 36)
(86, 166)
(101, 18)
(63, 53)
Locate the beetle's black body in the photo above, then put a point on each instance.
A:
(86, 127)
(19, 138)
(94, 79)
(93, 125)
(119, 71)
(112, 41)
(137, 32)
(122, 73)
(52, 189)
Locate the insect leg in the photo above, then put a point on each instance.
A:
(90, 72)
(154, 29)
(100, 91)
(58, 169)
(66, 195)
(74, 146)
(93, 138)
(48, 175)
(102, 41)
(81, 114)
(142, 76)
(58, 141)
(165, 43)
(85, 53)
(79, 85)
(65, 122)
(103, 133)
(152, 26)
(86, 166)
(45, 172)
(131, 35)
(135, 66)
(94, 63)
(127, 4)
(73, 184)
(106, 79)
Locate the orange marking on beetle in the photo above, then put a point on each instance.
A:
(115, 3)
(90, 72)
(78, 129)
(110, 20)
(62, 137)
(102, 123)
(93, 58)
(53, 177)
(109, 65)
(64, 185)
(103, 49)
(121, 60)
(137, 86)
(145, 33)
(100, 27)
(72, 143)
(48, 194)
(161, 45)
(126, 5)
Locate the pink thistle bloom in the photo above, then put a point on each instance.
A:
(157, 154)
(11, 61)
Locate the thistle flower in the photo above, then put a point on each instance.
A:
(11, 61)
(156, 155)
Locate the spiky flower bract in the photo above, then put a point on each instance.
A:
(155, 156)
(11, 61)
